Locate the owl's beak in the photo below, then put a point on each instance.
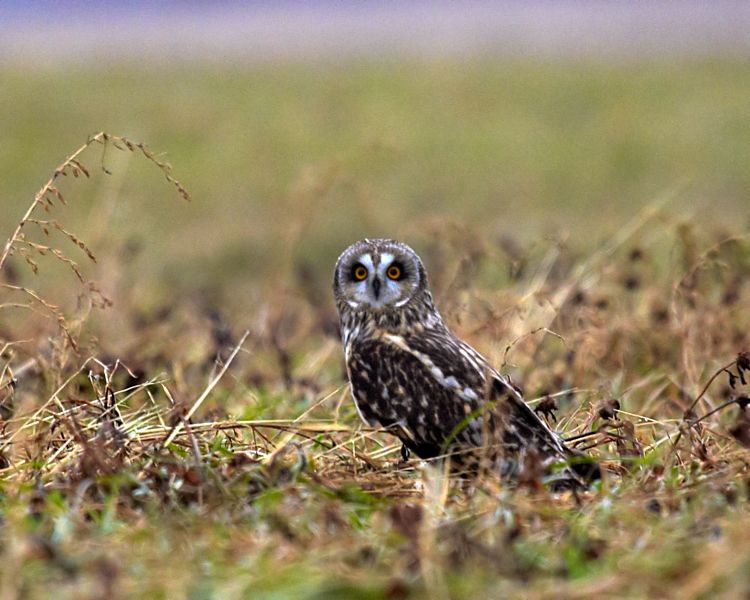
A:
(376, 287)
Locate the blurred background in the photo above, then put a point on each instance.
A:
(299, 127)
(515, 146)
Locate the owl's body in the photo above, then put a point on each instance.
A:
(411, 375)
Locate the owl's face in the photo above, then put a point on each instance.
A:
(378, 274)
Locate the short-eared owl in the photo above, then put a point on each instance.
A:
(411, 375)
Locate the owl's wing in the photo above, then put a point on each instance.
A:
(435, 391)
(454, 357)
(523, 432)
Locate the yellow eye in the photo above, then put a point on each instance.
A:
(360, 273)
(393, 272)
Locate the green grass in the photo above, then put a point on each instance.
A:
(517, 182)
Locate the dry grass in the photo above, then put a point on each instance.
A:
(203, 463)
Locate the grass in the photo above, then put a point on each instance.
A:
(583, 225)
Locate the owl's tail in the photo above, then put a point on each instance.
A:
(532, 444)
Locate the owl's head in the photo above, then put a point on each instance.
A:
(379, 275)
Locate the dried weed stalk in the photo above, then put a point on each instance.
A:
(50, 197)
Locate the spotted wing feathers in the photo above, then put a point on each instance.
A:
(439, 395)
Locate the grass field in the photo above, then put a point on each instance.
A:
(175, 420)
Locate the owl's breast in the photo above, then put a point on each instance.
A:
(374, 379)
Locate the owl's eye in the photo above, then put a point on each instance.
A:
(359, 273)
(394, 272)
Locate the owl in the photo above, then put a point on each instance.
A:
(412, 376)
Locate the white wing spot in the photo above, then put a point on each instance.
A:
(451, 382)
